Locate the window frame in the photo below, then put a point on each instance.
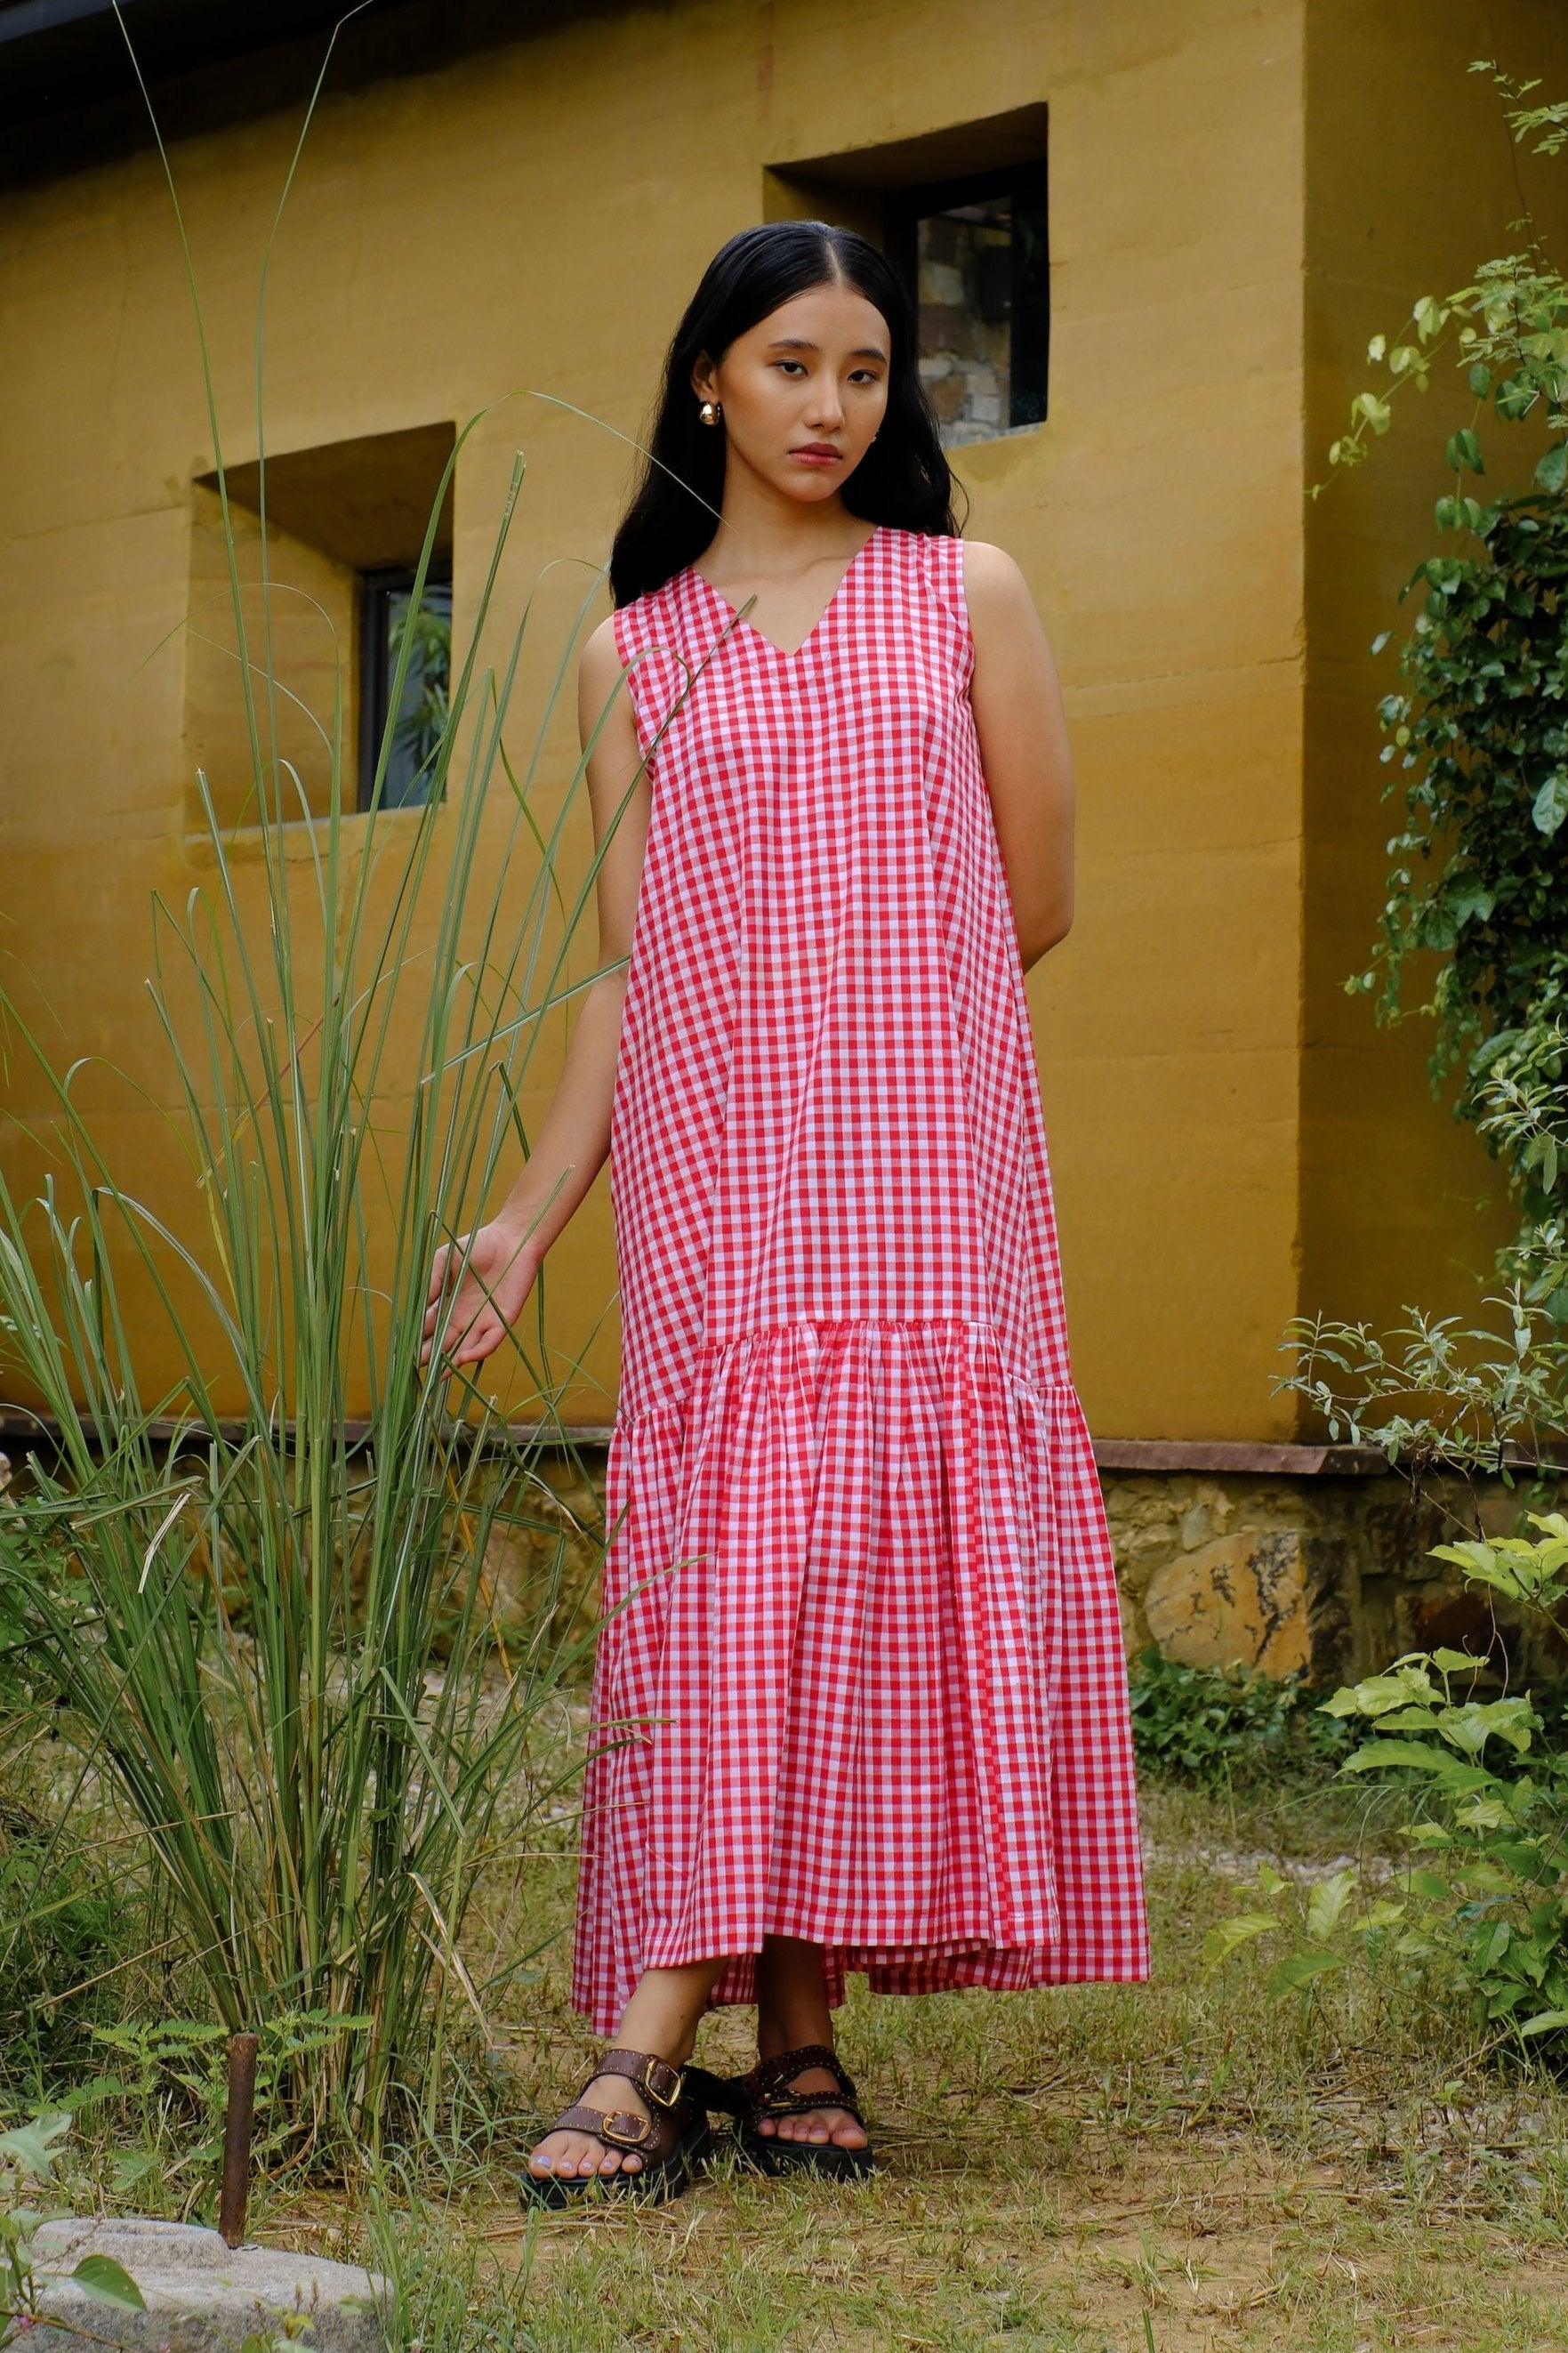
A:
(374, 679)
(1025, 185)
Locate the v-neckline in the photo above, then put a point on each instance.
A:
(791, 653)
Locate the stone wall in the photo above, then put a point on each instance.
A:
(1332, 1575)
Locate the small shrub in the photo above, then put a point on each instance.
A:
(60, 1928)
(1482, 1905)
(1213, 1725)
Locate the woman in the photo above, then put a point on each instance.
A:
(864, 1707)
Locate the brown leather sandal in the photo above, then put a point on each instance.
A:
(673, 2141)
(765, 2093)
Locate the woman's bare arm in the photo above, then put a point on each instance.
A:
(1023, 748)
(573, 1139)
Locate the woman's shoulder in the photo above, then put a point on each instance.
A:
(974, 566)
(994, 588)
(989, 570)
(600, 658)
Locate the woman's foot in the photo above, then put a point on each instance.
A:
(578, 2156)
(660, 2017)
(792, 2015)
(819, 2125)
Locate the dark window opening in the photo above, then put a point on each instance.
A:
(974, 254)
(389, 619)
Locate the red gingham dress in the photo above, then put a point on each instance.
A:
(863, 1682)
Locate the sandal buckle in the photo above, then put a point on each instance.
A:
(676, 2077)
(615, 2129)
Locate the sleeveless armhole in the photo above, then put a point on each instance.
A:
(941, 562)
(647, 640)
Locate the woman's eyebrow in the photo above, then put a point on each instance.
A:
(799, 343)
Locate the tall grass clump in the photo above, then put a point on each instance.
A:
(273, 1635)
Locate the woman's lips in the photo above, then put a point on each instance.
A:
(821, 456)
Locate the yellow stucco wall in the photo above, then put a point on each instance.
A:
(1399, 1203)
(536, 217)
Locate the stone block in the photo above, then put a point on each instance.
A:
(1241, 1599)
(202, 2297)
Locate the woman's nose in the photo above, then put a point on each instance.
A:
(827, 410)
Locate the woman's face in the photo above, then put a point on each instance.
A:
(804, 391)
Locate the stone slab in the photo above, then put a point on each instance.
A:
(202, 2297)
(1238, 1601)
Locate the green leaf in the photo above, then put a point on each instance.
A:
(1553, 471)
(1483, 1814)
(1229, 1936)
(1464, 452)
(1549, 805)
(1377, 1693)
(31, 2148)
(109, 2283)
(1458, 1663)
(1470, 1727)
(1390, 1756)
(1326, 1904)
(1545, 2021)
(1299, 1970)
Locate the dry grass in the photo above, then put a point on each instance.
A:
(1183, 2166)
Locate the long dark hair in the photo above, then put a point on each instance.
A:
(903, 478)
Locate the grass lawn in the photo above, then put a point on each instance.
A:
(1188, 2164)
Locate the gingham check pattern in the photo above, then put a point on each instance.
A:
(864, 1683)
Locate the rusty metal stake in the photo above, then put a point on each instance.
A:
(237, 2126)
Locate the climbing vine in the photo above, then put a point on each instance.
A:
(1478, 728)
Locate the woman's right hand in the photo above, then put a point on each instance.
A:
(478, 1287)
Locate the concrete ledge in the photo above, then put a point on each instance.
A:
(1253, 1458)
(1242, 1455)
(202, 2297)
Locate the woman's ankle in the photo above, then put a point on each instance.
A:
(778, 2032)
(792, 2001)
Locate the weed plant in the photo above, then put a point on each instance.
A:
(273, 1642)
(1214, 1725)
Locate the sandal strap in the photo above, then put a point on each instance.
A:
(658, 2081)
(724, 2096)
(801, 2104)
(771, 2078)
(616, 2127)
(662, 2085)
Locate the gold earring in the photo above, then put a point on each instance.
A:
(711, 412)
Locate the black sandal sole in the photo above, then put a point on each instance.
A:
(824, 2158)
(650, 2185)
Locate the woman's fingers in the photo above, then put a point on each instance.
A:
(438, 1266)
(473, 1320)
(481, 1342)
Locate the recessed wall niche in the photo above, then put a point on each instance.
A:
(960, 214)
(337, 516)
